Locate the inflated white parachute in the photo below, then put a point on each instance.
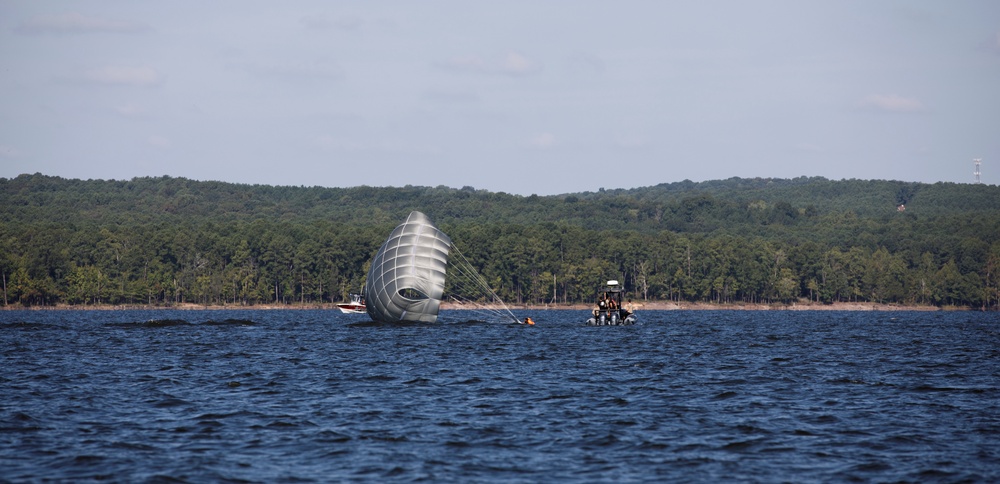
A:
(406, 279)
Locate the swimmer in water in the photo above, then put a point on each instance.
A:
(529, 322)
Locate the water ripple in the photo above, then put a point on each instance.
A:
(316, 396)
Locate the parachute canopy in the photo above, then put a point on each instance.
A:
(406, 278)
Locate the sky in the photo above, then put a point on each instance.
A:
(523, 97)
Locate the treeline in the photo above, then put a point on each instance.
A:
(165, 241)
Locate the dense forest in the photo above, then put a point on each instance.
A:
(166, 241)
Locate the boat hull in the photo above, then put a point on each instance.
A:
(352, 308)
(612, 320)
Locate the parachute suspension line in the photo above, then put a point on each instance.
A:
(470, 283)
(464, 284)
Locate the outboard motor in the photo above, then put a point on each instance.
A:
(614, 318)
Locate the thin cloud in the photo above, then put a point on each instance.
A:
(451, 97)
(323, 22)
(517, 64)
(158, 141)
(9, 152)
(77, 23)
(630, 141)
(586, 63)
(892, 103)
(543, 141)
(809, 147)
(464, 63)
(121, 76)
(302, 70)
(511, 64)
(130, 111)
(330, 143)
(992, 44)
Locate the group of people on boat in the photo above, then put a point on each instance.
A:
(609, 310)
(612, 312)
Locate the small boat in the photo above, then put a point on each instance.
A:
(356, 306)
(609, 310)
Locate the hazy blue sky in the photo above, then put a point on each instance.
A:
(524, 97)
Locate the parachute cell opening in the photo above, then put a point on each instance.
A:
(412, 294)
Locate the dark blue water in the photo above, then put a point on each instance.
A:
(303, 396)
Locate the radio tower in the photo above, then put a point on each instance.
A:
(977, 161)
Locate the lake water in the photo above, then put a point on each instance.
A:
(304, 396)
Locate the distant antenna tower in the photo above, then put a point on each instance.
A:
(978, 161)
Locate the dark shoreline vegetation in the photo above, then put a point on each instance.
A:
(169, 241)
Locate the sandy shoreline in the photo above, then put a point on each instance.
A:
(647, 306)
(688, 306)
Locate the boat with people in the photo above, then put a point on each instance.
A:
(609, 310)
(356, 306)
